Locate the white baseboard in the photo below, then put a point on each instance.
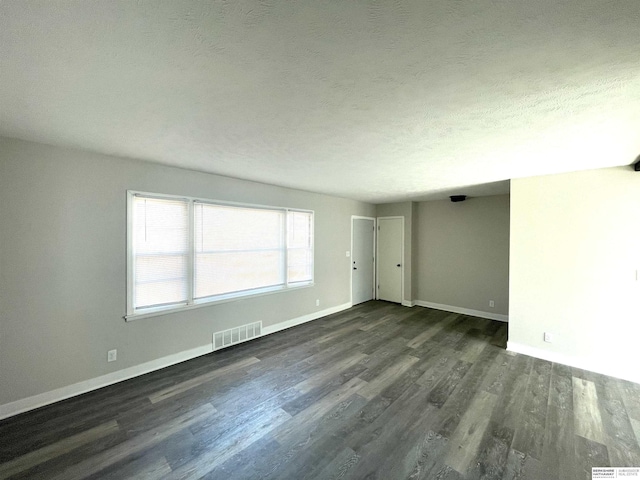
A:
(593, 365)
(304, 319)
(407, 303)
(46, 398)
(464, 311)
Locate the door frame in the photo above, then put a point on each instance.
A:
(375, 257)
(401, 217)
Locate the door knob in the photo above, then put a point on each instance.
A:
(397, 265)
(354, 268)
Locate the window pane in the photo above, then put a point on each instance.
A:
(160, 251)
(237, 249)
(300, 246)
(300, 265)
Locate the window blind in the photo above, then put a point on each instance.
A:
(237, 249)
(183, 252)
(160, 251)
(299, 246)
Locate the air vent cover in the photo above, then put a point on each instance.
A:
(226, 338)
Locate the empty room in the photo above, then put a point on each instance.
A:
(316, 240)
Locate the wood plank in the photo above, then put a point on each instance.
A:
(210, 458)
(448, 417)
(558, 456)
(520, 467)
(473, 349)
(382, 357)
(514, 465)
(201, 379)
(529, 435)
(380, 416)
(636, 428)
(136, 444)
(384, 344)
(61, 447)
(561, 387)
(427, 457)
(591, 454)
(325, 374)
(272, 381)
(512, 392)
(312, 451)
(441, 392)
(341, 319)
(380, 382)
(587, 419)
(620, 438)
(493, 452)
(309, 394)
(463, 446)
(142, 468)
(558, 453)
(339, 466)
(497, 374)
(436, 368)
(432, 330)
(384, 320)
(340, 332)
(631, 397)
(385, 446)
(315, 412)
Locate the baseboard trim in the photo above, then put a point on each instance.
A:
(591, 365)
(464, 311)
(304, 319)
(46, 398)
(407, 303)
(36, 401)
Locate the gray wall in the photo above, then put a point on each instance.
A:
(463, 253)
(63, 259)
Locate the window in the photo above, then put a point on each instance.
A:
(184, 252)
(237, 249)
(160, 252)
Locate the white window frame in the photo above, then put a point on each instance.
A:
(198, 303)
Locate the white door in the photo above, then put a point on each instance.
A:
(362, 259)
(390, 243)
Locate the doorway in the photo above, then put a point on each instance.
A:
(363, 231)
(390, 258)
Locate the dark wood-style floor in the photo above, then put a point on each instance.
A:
(377, 391)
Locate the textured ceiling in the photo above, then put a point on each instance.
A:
(373, 100)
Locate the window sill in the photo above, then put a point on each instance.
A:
(209, 303)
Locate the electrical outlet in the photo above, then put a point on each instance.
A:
(492, 303)
(317, 302)
(548, 337)
(112, 355)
